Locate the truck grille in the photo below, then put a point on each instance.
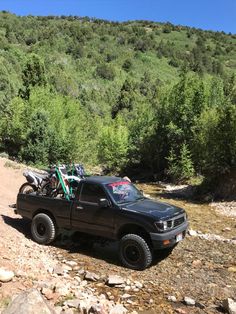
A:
(179, 221)
(171, 223)
(175, 222)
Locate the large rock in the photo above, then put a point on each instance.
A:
(6, 275)
(28, 302)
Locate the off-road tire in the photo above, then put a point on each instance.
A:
(134, 252)
(43, 229)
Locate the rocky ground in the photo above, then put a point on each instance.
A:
(196, 277)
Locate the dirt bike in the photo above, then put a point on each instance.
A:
(35, 182)
(61, 182)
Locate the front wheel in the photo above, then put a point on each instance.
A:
(27, 188)
(43, 229)
(134, 252)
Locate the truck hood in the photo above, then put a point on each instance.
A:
(156, 209)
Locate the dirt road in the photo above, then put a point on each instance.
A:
(27, 259)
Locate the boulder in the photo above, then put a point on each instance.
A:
(28, 302)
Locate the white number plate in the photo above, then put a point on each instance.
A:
(179, 237)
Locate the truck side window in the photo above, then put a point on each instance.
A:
(92, 193)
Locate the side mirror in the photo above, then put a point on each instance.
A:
(103, 202)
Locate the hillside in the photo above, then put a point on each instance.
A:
(127, 95)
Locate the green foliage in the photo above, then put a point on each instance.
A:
(33, 74)
(215, 141)
(38, 139)
(180, 168)
(127, 65)
(142, 136)
(113, 145)
(9, 84)
(105, 71)
(14, 127)
(127, 95)
(126, 99)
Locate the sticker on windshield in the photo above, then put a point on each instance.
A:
(118, 183)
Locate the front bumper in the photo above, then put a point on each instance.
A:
(168, 239)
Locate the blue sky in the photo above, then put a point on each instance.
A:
(206, 14)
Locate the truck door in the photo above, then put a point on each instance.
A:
(88, 216)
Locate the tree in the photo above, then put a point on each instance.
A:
(106, 72)
(215, 141)
(126, 98)
(113, 145)
(38, 139)
(33, 74)
(14, 127)
(180, 168)
(9, 84)
(127, 65)
(142, 141)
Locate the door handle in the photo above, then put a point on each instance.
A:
(79, 207)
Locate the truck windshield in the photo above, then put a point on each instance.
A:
(124, 191)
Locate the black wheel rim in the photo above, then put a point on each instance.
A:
(41, 229)
(132, 254)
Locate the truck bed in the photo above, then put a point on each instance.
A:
(29, 204)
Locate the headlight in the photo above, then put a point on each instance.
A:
(161, 225)
(185, 216)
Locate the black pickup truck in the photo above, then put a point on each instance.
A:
(111, 208)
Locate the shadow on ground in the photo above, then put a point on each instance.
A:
(77, 243)
(101, 249)
(20, 224)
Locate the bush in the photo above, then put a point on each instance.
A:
(180, 169)
(113, 146)
(127, 65)
(106, 72)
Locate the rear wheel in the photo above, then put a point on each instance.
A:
(43, 229)
(46, 189)
(134, 252)
(27, 188)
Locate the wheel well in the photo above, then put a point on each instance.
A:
(44, 211)
(134, 229)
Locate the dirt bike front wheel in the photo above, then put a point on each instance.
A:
(47, 190)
